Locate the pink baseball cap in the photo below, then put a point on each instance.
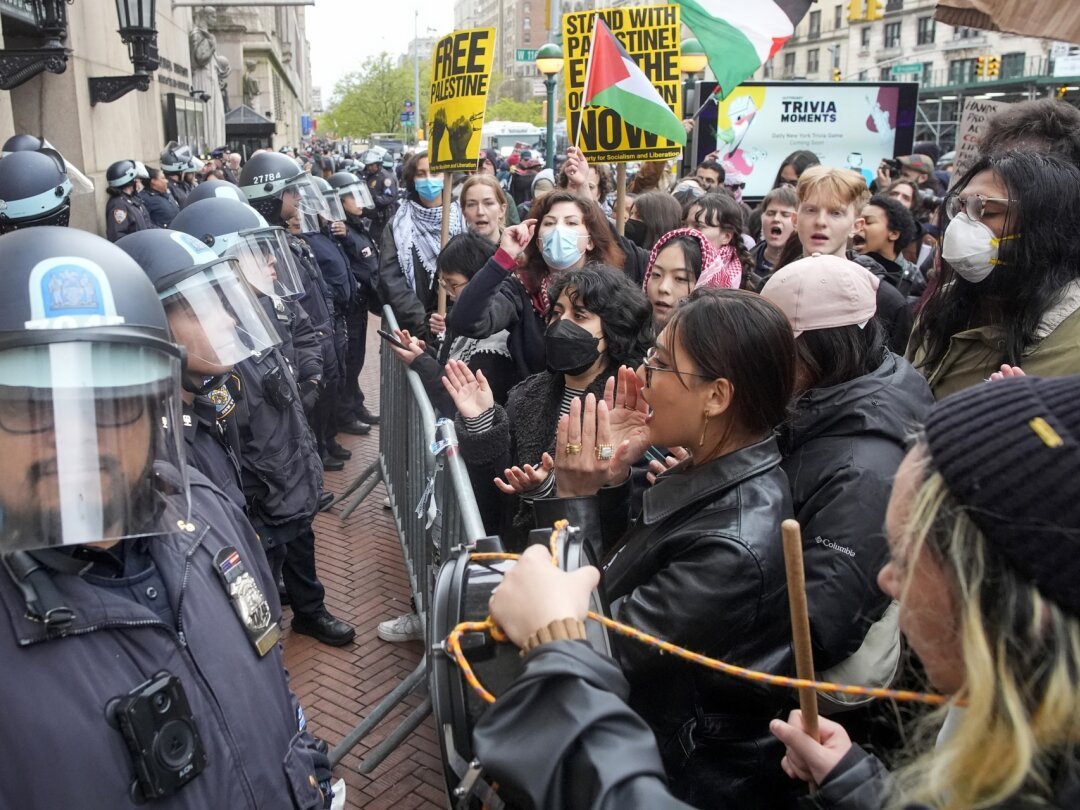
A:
(823, 292)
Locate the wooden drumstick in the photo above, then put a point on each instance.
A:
(800, 625)
(444, 236)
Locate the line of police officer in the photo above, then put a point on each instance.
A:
(159, 468)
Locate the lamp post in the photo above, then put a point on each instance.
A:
(549, 61)
(692, 60)
(49, 19)
(138, 30)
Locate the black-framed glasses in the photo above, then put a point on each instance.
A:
(451, 288)
(974, 206)
(37, 416)
(649, 369)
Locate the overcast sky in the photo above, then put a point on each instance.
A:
(343, 33)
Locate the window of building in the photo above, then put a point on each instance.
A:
(961, 71)
(815, 24)
(863, 75)
(789, 64)
(959, 32)
(926, 30)
(1012, 65)
(927, 76)
(885, 74)
(894, 5)
(892, 35)
(838, 17)
(812, 60)
(864, 37)
(767, 69)
(835, 56)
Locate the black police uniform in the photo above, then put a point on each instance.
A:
(144, 606)
(162, 207)
(179, 189)
(211, 442)
(124, 214)
(384, 193)
(364, 264)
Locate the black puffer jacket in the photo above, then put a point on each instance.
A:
(841, 448)
(702, 565)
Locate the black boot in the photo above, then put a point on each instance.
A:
(355, 428)
(366, 416)
(337, 451)
(331, 464)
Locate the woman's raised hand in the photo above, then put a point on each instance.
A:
(628, 414)
(576, 169)
(677, 455)
(1007, 372)
(587, 456)
(515, 238)
(520, 480)
(806, 758)
(414, 347)
(470, 392)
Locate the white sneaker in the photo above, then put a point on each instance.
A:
(403, 628)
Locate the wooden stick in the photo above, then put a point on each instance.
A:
(447, 201)
(800, 625)
(620, 198)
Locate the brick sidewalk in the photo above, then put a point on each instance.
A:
(360, 564)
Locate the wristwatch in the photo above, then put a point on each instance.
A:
(558, 630)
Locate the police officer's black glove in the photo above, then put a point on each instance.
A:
(309, 395)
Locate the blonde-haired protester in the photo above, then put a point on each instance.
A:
(984, 536)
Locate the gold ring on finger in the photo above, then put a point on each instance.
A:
(572, 449)
(605, 452)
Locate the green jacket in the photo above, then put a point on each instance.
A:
(974, 354)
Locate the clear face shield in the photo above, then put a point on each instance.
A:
(92, 443)
(215, 316)
(337, 212)
(266, 263)
(354, 199)
(303, 199)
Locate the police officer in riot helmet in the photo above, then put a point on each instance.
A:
(142, 176)
(35, 190)
(176, 161)
(268, 396)
(140, 627)
(215, 317)
(159, 202)
(215, 188)
(125, 212)
(21, 142)
(383, 187)
(364, 263)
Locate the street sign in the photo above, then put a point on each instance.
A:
(525, 55)
(914, 67)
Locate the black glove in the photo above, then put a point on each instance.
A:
(309, 395)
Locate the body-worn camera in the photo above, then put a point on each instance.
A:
(276, 388)
(156, 723)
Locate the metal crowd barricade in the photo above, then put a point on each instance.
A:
(434, 510)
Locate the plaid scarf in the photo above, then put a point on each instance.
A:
(420, 227)
(725, 271)
(708, 252)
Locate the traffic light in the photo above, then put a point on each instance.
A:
(993, 67)
(1061, 91)
(874, 10)
(836, 74)
(855, 10)
(980, 66)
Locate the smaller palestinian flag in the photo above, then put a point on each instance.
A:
(739, 36)
(613, 80)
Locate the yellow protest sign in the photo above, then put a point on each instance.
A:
(460, 76)
(650, 35)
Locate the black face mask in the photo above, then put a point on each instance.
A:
(634, 230)
(570, 349)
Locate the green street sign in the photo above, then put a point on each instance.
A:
(915, 67)
(525, 55)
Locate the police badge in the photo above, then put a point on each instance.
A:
(248, 601)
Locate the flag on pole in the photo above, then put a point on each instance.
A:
(613, 80)
(741, 35)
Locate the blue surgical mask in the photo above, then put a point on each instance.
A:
(560, 247)
(429, 188)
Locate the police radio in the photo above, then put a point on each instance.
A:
(162, 738)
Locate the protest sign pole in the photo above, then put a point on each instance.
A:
(444, 237)
(800, 625)
(620, 198)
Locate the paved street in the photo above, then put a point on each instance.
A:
(361, 565)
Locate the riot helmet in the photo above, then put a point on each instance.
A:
(353, 193)
(34, 190)
(121, 174)
(388, 160)
(21, 142)
(278, 189)
(237, 231)
(372, 158)
(212, 312)
(215, 188)
(141, 173)
(89, 396)
(176, 159)
(333, 204)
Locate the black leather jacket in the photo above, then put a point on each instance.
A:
(701, 565)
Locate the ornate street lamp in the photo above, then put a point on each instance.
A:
(692, 58)
(549, 61)
(18, 65)
(138, 30)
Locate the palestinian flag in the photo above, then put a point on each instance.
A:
(613, 80)
(740, 35)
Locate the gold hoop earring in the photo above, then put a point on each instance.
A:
(704, 427)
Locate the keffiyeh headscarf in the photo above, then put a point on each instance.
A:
(725, 271)
(420, 227)
(708, 252)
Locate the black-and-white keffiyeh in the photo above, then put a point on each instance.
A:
(419, 227)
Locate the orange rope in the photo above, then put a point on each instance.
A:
(453, 646)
